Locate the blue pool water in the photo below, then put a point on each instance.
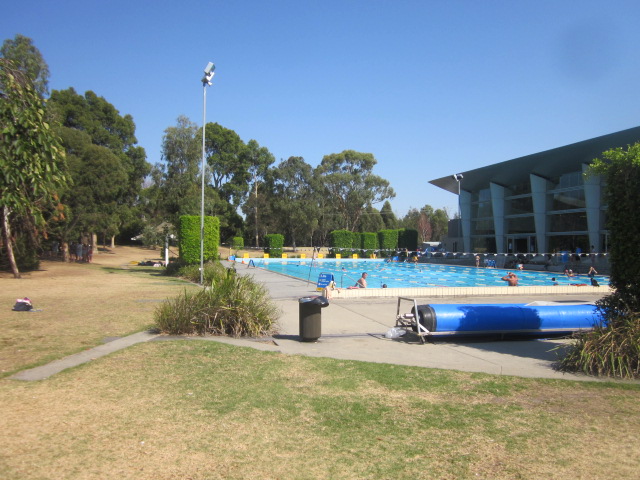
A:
(406, 275)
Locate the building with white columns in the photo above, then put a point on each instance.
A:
(538, 203)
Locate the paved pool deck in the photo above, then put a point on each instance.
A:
(354, 327)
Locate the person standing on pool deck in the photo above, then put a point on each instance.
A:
(511, 279)
(362, 281)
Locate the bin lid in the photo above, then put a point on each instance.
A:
(315, 300)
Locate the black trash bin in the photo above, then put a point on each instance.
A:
(311, 317)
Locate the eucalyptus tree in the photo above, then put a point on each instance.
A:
(32, 162)
(257, 160)
(348, 179)
(294, 200)
(27, 58)
(227, 162)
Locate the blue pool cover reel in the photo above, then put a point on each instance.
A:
(507, 318)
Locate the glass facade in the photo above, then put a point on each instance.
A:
(545, 202)
(566, 200)
(518, 205)
(520, 225)
(482, 227)
(565, 225)
(568, 222)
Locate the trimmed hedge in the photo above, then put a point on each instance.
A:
(189, 238)
(341, 241)
(388, 240)
(408, 238)
(274, 243)
(369, 242)
(237, 243)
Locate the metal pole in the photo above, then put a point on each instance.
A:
(204, 122)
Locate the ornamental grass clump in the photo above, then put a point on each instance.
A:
(233, 305)
(611, 349)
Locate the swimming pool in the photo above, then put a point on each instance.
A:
(403, 275)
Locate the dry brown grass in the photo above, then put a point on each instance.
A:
(202, 410)
(176, 410)
(81, 305)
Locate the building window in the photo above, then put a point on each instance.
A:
(520, 189)
(520, 225)
(567, 180)
(483, 209)
(519, 205)
(566, 200)
(483, 244)
(482, 227)
(568, 222)
(483, 195)
(568, 243)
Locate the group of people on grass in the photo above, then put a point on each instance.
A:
(78, 251)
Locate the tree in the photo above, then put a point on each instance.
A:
(90, 121)
(621, 171)
(32, 160)
(179, 176)
(424, 228)
(612, 348)
(389, 218)
(372, 220)
(28, 59)
(293, 199)
(258, 160)
(439, 224)
(424, 222)
(349, 180)
(228, 166)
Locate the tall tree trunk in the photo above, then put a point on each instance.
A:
(113, 241)
(8, 242)
(65, 252)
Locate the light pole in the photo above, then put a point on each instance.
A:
(206, 81)
(458, 178)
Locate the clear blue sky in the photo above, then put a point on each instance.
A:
(429, 87)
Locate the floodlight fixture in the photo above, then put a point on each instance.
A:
(209, 72)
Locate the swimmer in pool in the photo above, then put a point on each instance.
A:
(511, 279)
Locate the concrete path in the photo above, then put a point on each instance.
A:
(45, 371)
(354, 329)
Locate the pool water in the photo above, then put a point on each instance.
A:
(406, 275)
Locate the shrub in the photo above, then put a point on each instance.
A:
(237, 243)
(341, 241)
(234, 305)
(274, 244)
(189, 238)
(614, 349)
(408, 238)
(388, 240)
(369, 242)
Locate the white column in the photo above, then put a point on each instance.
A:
(592, 192)
(497, 208)
(539, 198)
(465, 221)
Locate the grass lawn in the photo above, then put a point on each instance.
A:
(204, 410)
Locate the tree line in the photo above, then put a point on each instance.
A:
(73, 170)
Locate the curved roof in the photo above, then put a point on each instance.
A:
(546, 164)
